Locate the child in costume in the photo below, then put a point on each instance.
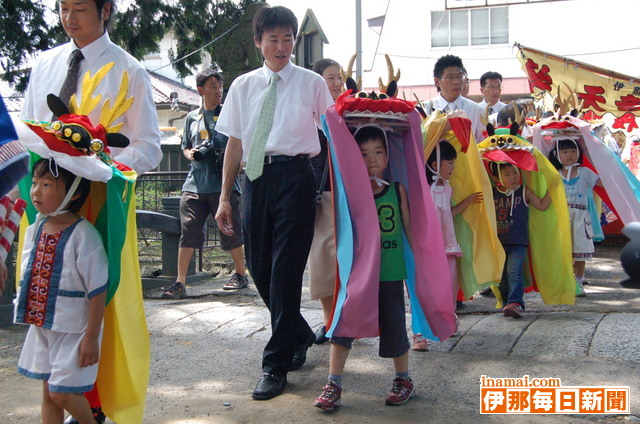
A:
(83, 147)
(482, 257)
(62, 294)
(512, 200)
(440, 167)
(393, 214)
(579, 183)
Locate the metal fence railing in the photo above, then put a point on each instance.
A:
(152, 188)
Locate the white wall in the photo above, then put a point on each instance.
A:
(565, 28)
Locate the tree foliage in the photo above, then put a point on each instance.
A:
(138, 29)
(23, 32)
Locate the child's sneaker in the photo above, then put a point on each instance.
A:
(330, 397)
(401, 391)
(419, 343)
(580, 292)
(513, 310)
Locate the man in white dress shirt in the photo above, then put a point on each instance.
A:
(449, 75)
(85, 22)
(278, 206)
(491, 88)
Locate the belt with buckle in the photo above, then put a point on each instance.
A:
(283, 158)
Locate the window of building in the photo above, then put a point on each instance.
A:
(474, 27)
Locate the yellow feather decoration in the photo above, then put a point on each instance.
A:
(109, 114)
(89, 85)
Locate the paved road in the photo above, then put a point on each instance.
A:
(206, 360)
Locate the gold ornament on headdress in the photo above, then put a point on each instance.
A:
(347, 74)
(391, 75)
(567, 105)
(89, 102)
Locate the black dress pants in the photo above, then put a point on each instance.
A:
(278, 212)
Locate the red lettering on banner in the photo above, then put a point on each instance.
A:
(628, 103)
(591, 116)
(592, 96)
(540, 79)
(626, 119)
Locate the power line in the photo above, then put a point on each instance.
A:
(196, 50)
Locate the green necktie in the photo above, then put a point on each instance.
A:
(255, 160)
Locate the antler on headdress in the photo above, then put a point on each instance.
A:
(570, 105)
(484, 117)
(391, 76)
(346, 75)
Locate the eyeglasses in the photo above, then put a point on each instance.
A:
(454, 77)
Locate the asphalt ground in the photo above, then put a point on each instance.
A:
(206, 354)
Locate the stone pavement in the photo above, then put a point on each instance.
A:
(206, 359)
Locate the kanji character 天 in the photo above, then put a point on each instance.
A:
(592, 96)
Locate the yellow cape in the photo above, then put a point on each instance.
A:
(549, 262)
(482, 257)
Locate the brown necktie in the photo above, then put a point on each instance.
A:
(71, 81)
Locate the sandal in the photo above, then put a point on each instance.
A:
(176, 291)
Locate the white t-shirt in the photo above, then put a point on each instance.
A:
(302, 98)
(78, 270)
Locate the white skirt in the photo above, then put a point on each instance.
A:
(581, 234)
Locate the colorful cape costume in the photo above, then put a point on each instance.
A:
(14, 159)
(357, 227)
(82, 148)
(482, 257)
(621, 188)
(549, 263)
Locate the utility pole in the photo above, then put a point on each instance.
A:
(358, 39)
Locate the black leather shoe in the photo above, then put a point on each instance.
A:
(300, 354)
(321, 335)
(269, 386)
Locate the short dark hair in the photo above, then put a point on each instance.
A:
(100, 4)
(554, 158)
(323, 64)
(496, 167)
(509, 113)
(269, 18)
(204, 75)
(369, 133)
(445, 62)
(489, 75)
(447, 152)
(43, 167)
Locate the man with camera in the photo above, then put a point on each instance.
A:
(204, 147)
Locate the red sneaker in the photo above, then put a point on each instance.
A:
(401, 391)
(419, 343)
(513, 310)
(330, 397)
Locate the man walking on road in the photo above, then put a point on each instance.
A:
(270, 116)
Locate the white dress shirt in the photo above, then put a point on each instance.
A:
(140, 120)
(302, 98)
(471, 109)
(496, 108)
